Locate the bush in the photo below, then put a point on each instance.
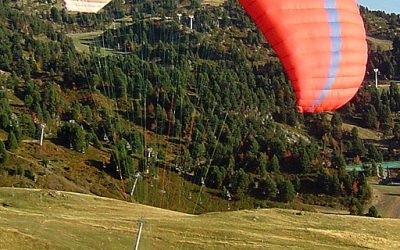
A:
(30, 174)
(373, 212)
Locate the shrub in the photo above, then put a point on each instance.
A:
(373, 212)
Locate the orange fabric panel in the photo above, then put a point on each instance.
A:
(321, 44)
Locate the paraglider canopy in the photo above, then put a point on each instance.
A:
(321, 44)
(85, 6)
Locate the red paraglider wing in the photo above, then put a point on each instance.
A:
(321, 44)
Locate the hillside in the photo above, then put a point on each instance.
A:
(134, 94)
(42, 219)
(386, 199)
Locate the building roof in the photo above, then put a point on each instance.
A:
(359, 168)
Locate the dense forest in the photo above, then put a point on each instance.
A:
(216, 96)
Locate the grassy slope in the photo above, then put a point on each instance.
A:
(79, 38)
(72, 171)
(383, 44)
(213, 2)
(69, 170)
(36, 219)
(386, 199)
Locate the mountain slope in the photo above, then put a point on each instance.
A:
(162, 88)
(39, 219)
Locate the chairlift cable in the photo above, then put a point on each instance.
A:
(210, 162)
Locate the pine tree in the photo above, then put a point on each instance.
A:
(120, 82)
(396, 44)
(358, 147)
(28, 127)
(335, 185)
(3, 153)
(121, 161)
(338, 159)
(55, 15)
(374, 154)
(336, 120)
(385, 115)
(252, 145)
(240, 182)
(296, 183)
(96, 142)
(215, 177)
(305, 162)
(370, 117)
(73, 135)
(325, 180)
(337, 123)
(268, 188)
(396, 133)
(12, 142)
(263, 165)
(355, 207)
(4, 121)
(286, 191)
(273, 165)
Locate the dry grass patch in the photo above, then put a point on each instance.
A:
(60, 220)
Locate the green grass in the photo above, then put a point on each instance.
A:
(363, 133)
(72, 171)
(213, 2)
(170, 191)
(383, 44)
(82, 41)
(39, 219)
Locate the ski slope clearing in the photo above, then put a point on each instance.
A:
(41, 219)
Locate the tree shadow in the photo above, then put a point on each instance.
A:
(393, 194)
(102, 167)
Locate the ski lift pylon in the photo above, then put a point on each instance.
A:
(105, 138)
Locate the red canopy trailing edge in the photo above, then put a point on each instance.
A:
(321, 44)
(85, 6)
